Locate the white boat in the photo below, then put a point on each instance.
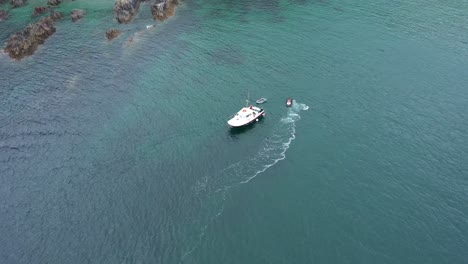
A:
(246, 116)
(261, 101)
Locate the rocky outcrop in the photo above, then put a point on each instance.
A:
(55, 15)
(125, 10)
(4, 15)
(40, 10)
(163, 9)
(77, 14)
(54, 2)
(112, 33)
(25, 43)
(18, 3)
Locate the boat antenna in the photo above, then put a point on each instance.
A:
(248, 97)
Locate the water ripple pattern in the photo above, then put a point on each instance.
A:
(119, 152)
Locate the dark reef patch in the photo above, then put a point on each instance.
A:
(227, 55)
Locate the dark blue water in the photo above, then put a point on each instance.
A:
(119, 152)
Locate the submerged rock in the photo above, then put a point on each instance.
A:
(4, 15)
(18, 3)
(125, 10)
(26, 42)
(112, 33)
(163, 9)
(54, 2)
(77, 14)
(54, 15)
(40, 10)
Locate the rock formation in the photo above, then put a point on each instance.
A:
(54, 2)
(18, 3)
(25, 43)
(3, 15)
(163, 9)
(54, 15)
(77, 14)
(40, 10)
(125, 10)
(112, 33)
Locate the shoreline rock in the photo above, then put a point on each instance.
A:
(77, 14)
(162, 9)
(26, 42)
(18, 3)
(4, 15)
(125, 10)
(112, 33)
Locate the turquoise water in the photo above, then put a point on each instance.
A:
(119, 152)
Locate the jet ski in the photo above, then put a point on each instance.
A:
(289, 102)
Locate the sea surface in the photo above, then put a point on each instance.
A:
(119, 152)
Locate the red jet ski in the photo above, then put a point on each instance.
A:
(289, 102)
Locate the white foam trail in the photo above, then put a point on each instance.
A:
(272, 150)
(71, 82)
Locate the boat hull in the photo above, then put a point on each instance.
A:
(261, 114)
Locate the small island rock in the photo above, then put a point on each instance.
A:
(54, 2)
(163, 9)
(26, 42)
(3, 15)
(125, 10)
(55, 15)
(18, 3)
(39, 10)
(112, 33)
(77, 14)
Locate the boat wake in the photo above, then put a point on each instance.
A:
(272, 150)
